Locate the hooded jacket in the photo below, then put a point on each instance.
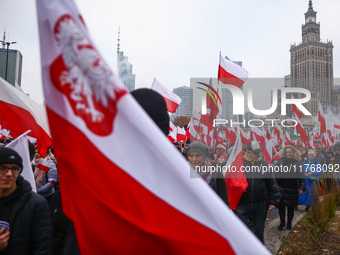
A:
(29, 220)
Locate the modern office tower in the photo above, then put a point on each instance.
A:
(185, 107)
(10, 63)
(125, 68)
(125, 71)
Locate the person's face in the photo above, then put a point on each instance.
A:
(8, 179)
(289, 153)
(196, 159)
(37, 155)
(252, 155)
(311, 157)
(220, 151)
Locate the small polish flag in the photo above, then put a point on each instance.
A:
(171, 99)
(231, 73)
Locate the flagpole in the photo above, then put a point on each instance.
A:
(199, 126)
(27, 132)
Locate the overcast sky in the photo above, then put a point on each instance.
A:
(173, 41)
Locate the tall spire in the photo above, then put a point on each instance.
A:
(4, 40)
(118, 44)
(310, 5)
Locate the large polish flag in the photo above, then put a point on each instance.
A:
(122, 200)
(171, 99)
(20, 113)
(231, 73)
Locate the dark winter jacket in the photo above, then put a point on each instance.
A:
(289, 186)
(64, 238)
(29, 220)
(258, 183)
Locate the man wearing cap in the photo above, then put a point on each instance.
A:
(252, 202)
(221, 156)
(198, 158)
(27, 213)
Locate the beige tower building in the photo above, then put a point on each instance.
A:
(311, 63)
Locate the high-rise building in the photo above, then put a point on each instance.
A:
(311, 63)
(14, 66)
(125, 71)
(125, 68)
(185, 107)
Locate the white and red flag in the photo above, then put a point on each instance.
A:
(231, 73)
(268, 151)
(296, 110)
(20, 145)
(268, 133)
(171, 99)
(20, 113)
(180, 134)
(299, 128)
(321, 119)
(122, 200)
(236, 180)
(171, 136)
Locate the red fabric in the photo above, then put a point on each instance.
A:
(322, 121)
(297, 111)
(43, 167)
(236, 181)
(20, 120)
(227, 78)
(171, 105)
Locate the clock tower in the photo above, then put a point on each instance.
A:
(311, 63)
(311, 29)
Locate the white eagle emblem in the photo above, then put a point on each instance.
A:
(87, 73)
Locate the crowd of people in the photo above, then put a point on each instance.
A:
(267, 190)
(34, 223)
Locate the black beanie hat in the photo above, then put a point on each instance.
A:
(154, 104)
(8, 155)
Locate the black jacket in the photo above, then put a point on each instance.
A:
(289, 186)
(30, 221)
(220, 186)
(258, 183)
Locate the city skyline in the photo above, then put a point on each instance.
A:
(175, 44)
